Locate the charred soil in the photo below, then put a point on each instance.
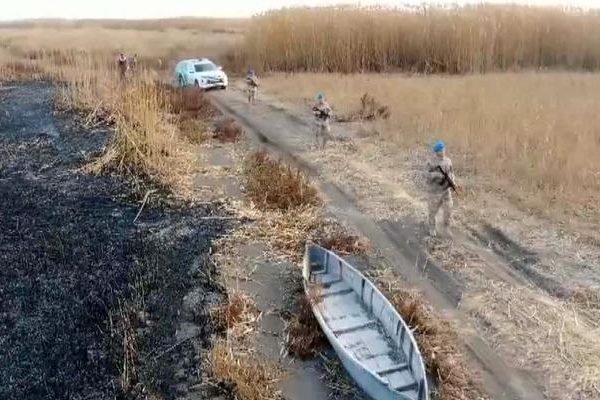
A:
(91, 298)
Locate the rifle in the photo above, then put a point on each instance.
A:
(447, 180)
(320, 113)
(252, 81)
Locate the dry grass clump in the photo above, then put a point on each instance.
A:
(123, 343)
(342, 242)
(304, 337)
(227, 131)
(369, 110)
(544, 334)
(338, 381)
(145, 142)
(191, 109)
(424, 39)
(192, 130)
(190, 101)
(589, 300)
(438, 343)
(288, 231)
(271, 185)
(238, 316)
(252, 378)
(437, 340)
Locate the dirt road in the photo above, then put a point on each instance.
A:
(80, 281)
(289, 135)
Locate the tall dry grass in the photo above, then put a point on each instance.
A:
(145, 141)
(165, 43)
(207, 25)
(535, 135)
(457, 40)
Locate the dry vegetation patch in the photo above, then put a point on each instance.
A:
(304, 337)
(369, 110)
(530, 135)
(335, 238)
(588, 298)
(146, 142)
(251, 377)
(227, 131)
(543, 334)
(192, 111)
(238, 316)
(189, 101)
(423, 39)
(20, 71)
(272, 185)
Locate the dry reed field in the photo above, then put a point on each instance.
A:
(534, 135)
(153, 39)
(425, 39)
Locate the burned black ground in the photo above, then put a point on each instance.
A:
(89, 300)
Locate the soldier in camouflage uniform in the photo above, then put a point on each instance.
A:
(252, 82)
(322, 112)
(439, 188)
(123, 64)
(133, 64)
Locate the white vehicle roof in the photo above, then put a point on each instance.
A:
(199, 61)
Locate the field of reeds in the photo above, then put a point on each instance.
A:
(534, 135)
(510, 88)
(423, 39)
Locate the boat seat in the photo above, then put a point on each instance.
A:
(338, 288)
(407, 387)
(317, 269)
(355, 327)
(328, 279)
(392, 369)
(381, 362)
(411, 394)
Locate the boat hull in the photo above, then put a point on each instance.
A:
(387, 319)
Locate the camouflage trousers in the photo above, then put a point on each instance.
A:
(439, 201)
(322, 130)
(252, 91)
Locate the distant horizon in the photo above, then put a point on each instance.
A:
(137, 19)
(74, 10)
